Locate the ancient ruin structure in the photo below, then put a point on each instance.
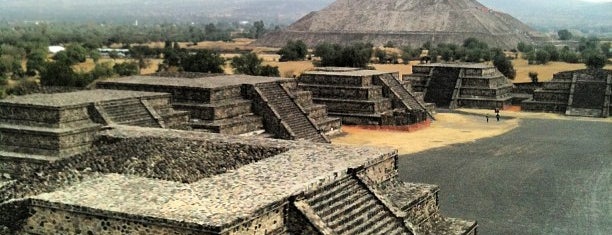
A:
(461, 85)
(405, 23)
(239, 104)
(365, 97)
(39, 129)
(575, 93)
(139, 180)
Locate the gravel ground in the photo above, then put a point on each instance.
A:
(545, 177)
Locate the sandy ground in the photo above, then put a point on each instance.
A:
(462, 126)
(450, 128)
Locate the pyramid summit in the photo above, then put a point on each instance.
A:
(405, 22)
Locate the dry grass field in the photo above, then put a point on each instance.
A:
(288, 69)
(545, 72)
(89, 64)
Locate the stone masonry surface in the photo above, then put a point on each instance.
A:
(76, 98)
(221, 199)
(209, 82)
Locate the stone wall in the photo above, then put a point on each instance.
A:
(297, 223)
(441, 86)
(267, 223)
(45, 220)
(526, 88)
(382, 171)
(589, 95)
(147, 157)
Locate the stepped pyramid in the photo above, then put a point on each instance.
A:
(405, 22)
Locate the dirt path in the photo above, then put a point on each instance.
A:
(449, 129)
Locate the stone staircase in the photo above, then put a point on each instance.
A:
(347, 207)
(289, 112)
(317, 112)
(128, 112)
(409, 100)
(419, 205)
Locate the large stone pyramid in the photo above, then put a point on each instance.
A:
(404, 22)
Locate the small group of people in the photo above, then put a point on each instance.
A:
(496, 115)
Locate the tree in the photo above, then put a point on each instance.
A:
(103, 70)
(409, 54)
(258, 29)
(95, 55)
(58, 74)
(73, 54)
(76, 53)
(538, 57)
(564, 34)
(269, 71)
(552, 51)
(381, 55)
(9, 65)
(594, 60)
(533, 76)
(126, 69)
(504, 65)
(293, 50)
(35, 62)
(524, 47)
(203, 61)
(250, 64)
(568, 56)
(356, 55)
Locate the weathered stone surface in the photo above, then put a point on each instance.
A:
(578, 93)
(364, 97)
(461, 85)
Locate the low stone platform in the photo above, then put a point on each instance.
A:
(235, 104)
(461, 85)
(574, 93)
(274, 187)
(41, 128)
(364, 97)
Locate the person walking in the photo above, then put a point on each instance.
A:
(497, 116)
(487, 118)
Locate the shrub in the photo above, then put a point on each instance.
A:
(533, 76)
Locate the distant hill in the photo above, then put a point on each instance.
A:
(557, 14)
(541, 14)
(156, 11)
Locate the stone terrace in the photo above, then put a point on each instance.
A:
(575, 93)
(365, 97)
(239, 104)
(466, 85)
(46, 127)
(285, 193)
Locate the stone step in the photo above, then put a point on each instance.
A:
(128, 117)
(328, 191)
(347, 207)
(330, 209)
(352, 214)
(234, 126)
(289, 111)
(380, 220)
(142, 122)
(382, 224)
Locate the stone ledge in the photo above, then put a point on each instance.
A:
(47, 131)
